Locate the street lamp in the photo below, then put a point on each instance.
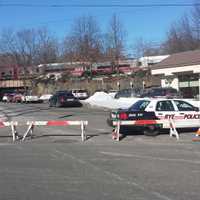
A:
(143, 84)
(131, 84)
(118, 85)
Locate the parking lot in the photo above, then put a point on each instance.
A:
(55, 164)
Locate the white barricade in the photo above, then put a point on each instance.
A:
(173, 131)
(13, 125)
(165, 124)
(32, 124)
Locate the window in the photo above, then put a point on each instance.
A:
(164, 106)
(184, 106)
(139, 105)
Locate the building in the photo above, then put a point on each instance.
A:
(75, 69)
(123, 66)
(180, 71)
(9, 79)
(148, 61)
(14, 78)
(9, 72)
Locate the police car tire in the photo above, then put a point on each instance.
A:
(151, 131)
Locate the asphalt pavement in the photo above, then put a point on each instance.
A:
(55, 164)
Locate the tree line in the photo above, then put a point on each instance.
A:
(88, 44)
(182, 35)
(84, 43)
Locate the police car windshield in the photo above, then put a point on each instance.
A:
(139, 105)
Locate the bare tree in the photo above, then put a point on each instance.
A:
(173, 43)
(84, 42)
(8, 47)
(196, 20)
(144, 48)
(48, 47)
(69, 52)
(115, 40)
(187, 34)
(27, 48)
(180, 37)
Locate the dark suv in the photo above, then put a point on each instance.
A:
(63, 98)
(130, 92)
(157, 92)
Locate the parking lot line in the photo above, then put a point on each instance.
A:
(116, 176)
(197, 162)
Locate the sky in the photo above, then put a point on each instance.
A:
(151, 24)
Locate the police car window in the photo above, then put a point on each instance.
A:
(184, 106)
(139, 105)
(164, 106)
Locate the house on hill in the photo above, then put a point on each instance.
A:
(180, 71)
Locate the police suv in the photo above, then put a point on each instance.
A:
(183, 114)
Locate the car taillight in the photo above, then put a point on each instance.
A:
(123, 116)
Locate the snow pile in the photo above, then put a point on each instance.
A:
(104, 100)
(99, 96)
(101, 99)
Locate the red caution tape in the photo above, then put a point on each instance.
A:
(57, 123)
(143, 122)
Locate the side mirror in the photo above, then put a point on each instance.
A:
(196, 109)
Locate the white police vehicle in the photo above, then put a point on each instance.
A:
(183, 114)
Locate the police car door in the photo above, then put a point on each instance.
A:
(188, 115)
(165, 109)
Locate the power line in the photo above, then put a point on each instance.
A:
(99, 5)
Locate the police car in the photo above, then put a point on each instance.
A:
(183, 114)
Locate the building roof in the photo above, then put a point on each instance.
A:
(62, 65)
(182, 59)
(153, 59)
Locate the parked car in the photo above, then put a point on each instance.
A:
(80, 94)
(64, 98)
(31, 99)
(8, 97)
(5, 98)
(157, 92)
(130, 92)
(45, 97)
(18, 98)
(181, 112)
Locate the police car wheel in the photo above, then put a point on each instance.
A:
(151, 131)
